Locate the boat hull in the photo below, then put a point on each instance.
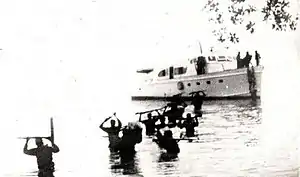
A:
(231, 84)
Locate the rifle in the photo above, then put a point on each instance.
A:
(151, 110)
(192, 93)
(51, 137)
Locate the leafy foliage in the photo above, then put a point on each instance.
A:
(236, 12)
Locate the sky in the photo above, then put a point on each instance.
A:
(75, 58)
(60, 55)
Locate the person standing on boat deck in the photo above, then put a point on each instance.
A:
(43, 155)
(189, 124)
(257, 57)
(149, 124)
(167, 142)
(112, 131)
(247, 59)
(197, 102)
(200, 66)
(238, 60)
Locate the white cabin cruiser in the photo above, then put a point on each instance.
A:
(218, 76)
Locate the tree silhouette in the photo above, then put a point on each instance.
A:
(238, 13)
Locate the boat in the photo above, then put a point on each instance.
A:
(217, 75)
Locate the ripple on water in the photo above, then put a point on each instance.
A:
(228, 145)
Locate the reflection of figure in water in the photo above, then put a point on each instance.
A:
(167, 142)
(149, 124)
(197, 102)
(252, 82)
(132, 135)
(112, 131)
(43, 154)
(189, 124)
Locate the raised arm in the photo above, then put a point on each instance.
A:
(203, 93)
(119, 123)
(28, 151)
(158, 135)
(55, 148)
(165, 108)
(197, 122)
(158, 112)
(101, 126)
(140, 118)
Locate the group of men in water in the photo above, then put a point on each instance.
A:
(132, 134)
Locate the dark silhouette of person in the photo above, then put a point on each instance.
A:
(247, 59)
(239, 61)
(200, 66)
(43, 154)
(257, 58)
(149, 124)
(197, 102)
(173, 114)
(177, 106)
(113, 132)
(162, 120)
(189, 124)
(167, 142)
(132, 135)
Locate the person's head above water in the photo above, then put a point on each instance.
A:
(162, 119)
(39, 142)
(112, 123)
(168, 133)
(188, 116)
(149, 115)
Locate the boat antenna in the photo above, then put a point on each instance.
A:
(200, 47)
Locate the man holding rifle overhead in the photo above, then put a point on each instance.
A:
(112, 131)
(43, 155)
(149, 122)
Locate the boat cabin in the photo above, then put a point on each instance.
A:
(195, 66)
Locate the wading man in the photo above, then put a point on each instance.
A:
(43, 155)
(113, 132)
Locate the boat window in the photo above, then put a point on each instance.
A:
(180, 70)
(221, 81)
(229, 58)
(208, 82)
(211, 58)
(198, 83)
(194, 60)
(189, 84)
(222, 58)
(144, 71)
(162, 73)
